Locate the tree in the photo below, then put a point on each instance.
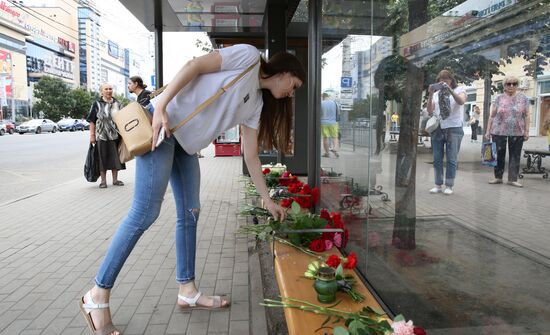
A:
(122, 99)
(402, 81)
(362, 107)
(54, 98)
(83, 99)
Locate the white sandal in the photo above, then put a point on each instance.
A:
(192, 303)
(87, 308)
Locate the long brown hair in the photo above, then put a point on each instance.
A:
(276, 117)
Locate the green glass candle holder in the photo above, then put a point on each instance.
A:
(325, 285)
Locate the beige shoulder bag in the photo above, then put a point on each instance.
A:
(134, 122)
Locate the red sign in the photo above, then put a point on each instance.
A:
(5, 73)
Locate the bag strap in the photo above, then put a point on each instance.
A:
(157, 92)
(213, 98)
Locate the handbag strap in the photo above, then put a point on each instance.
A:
(213, 98)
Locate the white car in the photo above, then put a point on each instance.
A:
(37, 126)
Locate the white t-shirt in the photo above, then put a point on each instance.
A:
(457, 111)
(241, 104)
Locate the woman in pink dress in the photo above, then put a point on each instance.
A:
(509, 123)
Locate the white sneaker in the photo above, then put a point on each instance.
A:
(448, 191)
(436, 189)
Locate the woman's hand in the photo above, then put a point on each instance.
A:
(526, 137)
(92, 138)
(160, 119)
(487, 136)
(278, 212)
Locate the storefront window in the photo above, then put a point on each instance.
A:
(470, 257)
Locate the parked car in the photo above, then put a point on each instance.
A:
(85, 123)
(2, 129)
(70, 125)
(37, 126)
(9, 126)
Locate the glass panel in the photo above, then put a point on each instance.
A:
(471, 255)
(220, 20)
(217, 6)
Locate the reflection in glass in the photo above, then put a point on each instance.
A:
(442, 260)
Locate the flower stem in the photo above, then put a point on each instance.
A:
(302, 249)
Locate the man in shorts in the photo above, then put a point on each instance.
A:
(329, 125)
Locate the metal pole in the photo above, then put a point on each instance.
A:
(159, 64)
(314, 92)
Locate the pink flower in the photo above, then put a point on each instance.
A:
(328, 244)
(403, 328)
(338, 240)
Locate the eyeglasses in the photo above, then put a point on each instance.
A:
(512, 84)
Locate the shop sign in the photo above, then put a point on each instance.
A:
(112, 49)
(14, 16)
(55, 65)
(6, 71)
(7, 9)
(66, 44)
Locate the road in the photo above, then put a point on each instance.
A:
(32, 163)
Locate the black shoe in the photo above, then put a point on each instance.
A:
(335, 153)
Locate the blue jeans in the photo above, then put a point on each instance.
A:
(153, 170)
(446, 142)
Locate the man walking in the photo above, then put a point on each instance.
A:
(329, 125)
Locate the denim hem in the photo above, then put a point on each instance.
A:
(106, 287)
(185, 281)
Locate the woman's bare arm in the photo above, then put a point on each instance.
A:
(250, 141)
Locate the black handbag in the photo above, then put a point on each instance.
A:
(91, 167)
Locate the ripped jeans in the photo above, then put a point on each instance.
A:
(153, 170)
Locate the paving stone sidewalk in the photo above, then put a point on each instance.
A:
(52, 243)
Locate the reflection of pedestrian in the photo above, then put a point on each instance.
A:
(546, 128)
(394, 128)
(509, 122)
(448, 103)
(329, 125)
(424, 117)
(261, 102)
(103, 132)
(474, 123)
(136, 86)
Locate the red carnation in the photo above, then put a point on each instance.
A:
(315, 195)
(304, 202)
(419, 331)
(333, 261)
(286, 174)
(286, 202)
(294, 180)
(337, 220)
(294, 188)
(352, 261)
(306, 189)
(325, 215)
(266, 171)
(327, 235)
(317, 245)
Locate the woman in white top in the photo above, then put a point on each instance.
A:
(261, 102)
(446, 99)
